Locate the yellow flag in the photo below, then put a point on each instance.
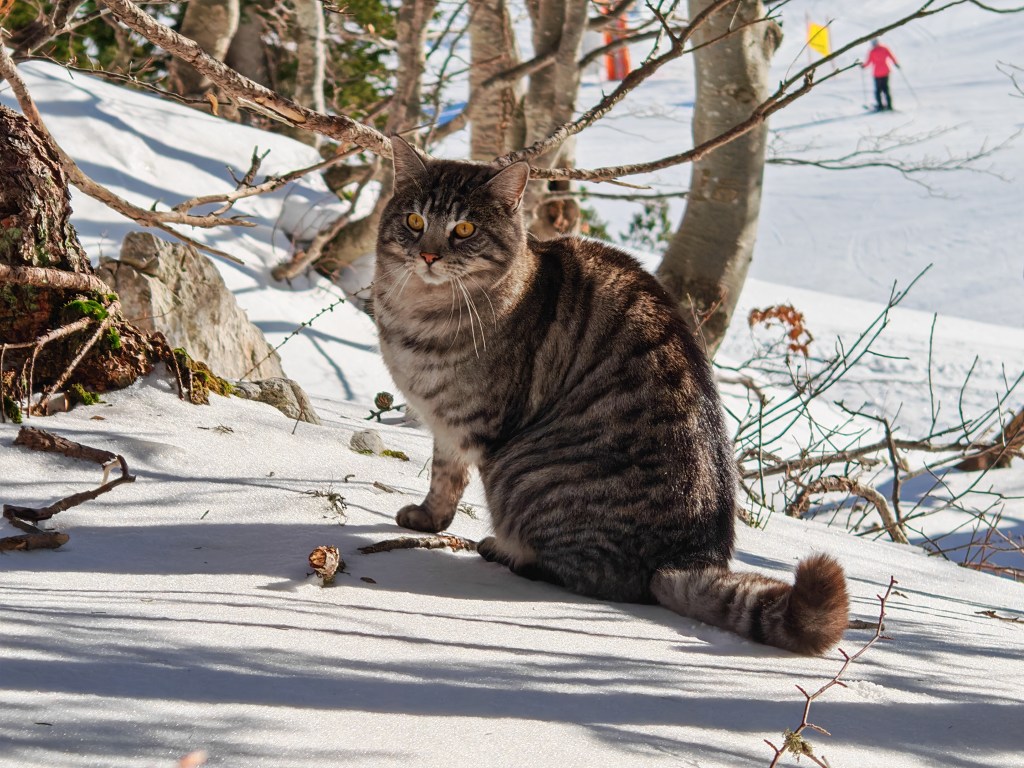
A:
(817, 39)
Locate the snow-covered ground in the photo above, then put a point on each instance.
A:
(181, 614)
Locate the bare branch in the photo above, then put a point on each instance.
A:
(609, 14)
(41, 440)
(249, 94)
(438, 541)
(793, 739)
(838, 483)
(156, 219)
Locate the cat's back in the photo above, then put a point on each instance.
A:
(606, 306)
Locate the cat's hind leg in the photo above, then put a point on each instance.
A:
(521, 563)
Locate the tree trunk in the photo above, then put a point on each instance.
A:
(411, 33)
(212, 24)
(493, 49)
(558, 27)
(311, 54)
(360, 237)
(706, 262)
(47, 286)
(247, 53)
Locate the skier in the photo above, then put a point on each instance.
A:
(878, 60)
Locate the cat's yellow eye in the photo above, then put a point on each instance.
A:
(464, 229)
(415, 222)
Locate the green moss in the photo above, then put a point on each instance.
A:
(79, 394)
(113, 338)
(198, 378)
(86, 308)
(12, 410)
(8, 296)
(394, 454)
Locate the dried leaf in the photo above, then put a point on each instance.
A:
(326, 561)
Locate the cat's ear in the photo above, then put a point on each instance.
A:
(408, 165)
(509, 185)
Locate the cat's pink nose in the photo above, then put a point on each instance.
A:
(430, 258)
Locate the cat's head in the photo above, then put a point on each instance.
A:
(450, 220)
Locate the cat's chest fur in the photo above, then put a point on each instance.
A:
(457, 389)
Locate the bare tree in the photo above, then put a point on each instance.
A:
(493, 51)
(212, 24)
(550, 101)
(707, 260)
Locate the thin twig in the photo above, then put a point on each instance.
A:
(793, 740)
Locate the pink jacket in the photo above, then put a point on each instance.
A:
(879, 58)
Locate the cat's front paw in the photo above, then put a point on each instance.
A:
(418, 518)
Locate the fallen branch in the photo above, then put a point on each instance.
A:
(439, 541)
(841, 483)
(47, 442)
(993, 615)
(793, 740)
(41, 440)
(43, 540)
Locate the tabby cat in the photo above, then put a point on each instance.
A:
(563, 372)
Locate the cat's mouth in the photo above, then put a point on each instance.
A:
(431, 275)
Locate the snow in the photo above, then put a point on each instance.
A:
(182, 615)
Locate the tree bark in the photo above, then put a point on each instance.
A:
(43, 334)
(558, 27)
(706, 262)
(247, 53)
(212, 24)
(311, 54)
(493, 49)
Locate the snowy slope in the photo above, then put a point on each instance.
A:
(148, 150)
(852, 232)
(181, 616)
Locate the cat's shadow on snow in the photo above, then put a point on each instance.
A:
(463, 577)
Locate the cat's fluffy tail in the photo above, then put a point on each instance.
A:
(807, 617)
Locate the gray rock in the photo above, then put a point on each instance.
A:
(284, 394)
(169, 287)
(367, 440)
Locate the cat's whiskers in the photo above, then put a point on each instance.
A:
(451, 315)
(391, 288)
(399, 283)
(494, 315)
(472, 309)
(458, 328)
(405, 282)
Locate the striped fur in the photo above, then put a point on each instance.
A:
(562, 371)
(808, 617)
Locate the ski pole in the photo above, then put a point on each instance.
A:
(863, 86)
(909, 86)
